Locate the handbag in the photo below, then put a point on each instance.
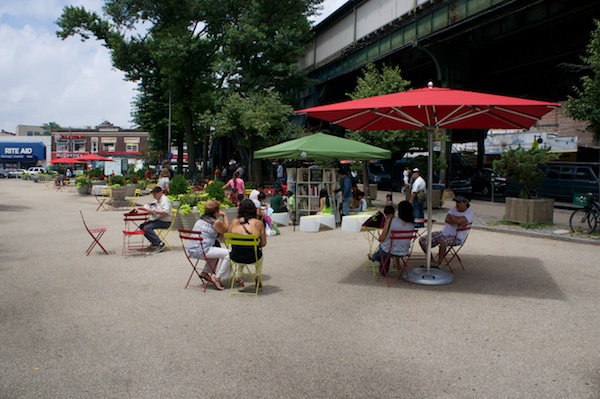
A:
(421, 197)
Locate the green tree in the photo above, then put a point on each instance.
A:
(49, 127)
(255, 121)
(163, 46)
(375, 82)
(196, 53)
(585, 104)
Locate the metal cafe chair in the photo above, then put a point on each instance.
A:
(400, 260)
(453, 249)
(132, 232)
(243, 269)
(96, 235)
(163, 233)
(187, 237)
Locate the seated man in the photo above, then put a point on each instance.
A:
(457, 216)
(159, 213)
(277, 202)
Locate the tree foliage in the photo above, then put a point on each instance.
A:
(585, 104)
(375, 82)
(49, 127)
(524, 167)
(197, 53)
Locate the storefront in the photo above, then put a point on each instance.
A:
(22, 154)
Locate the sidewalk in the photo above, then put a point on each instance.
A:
(490, 216)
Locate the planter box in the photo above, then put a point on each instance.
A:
(188, 221)
(84, 190)
(231, 213)
(521, 210)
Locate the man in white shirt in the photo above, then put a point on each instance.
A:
(458, 216)
(159, 213)
(417, 186)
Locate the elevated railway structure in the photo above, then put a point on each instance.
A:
(525, 48)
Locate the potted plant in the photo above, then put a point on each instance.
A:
(526, 167)
(118, 189)
(83, 184)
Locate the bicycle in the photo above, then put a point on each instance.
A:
(585, 220)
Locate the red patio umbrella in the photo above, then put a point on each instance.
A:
(64, 160)
(431, 109)
(92, 157)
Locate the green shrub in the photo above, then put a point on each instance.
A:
(215, 191)
(178, 185)
(82, 180)
(116, 180)
(524, 167)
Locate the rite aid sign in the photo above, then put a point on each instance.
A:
(22, 150)
(18, 151)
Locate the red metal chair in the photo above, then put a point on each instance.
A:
(132, 231)
(96, 235)
(400, 260)
(187, 237)
(453, 249)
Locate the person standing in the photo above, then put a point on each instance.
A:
(237, 188)
(418, 186)
(346, 190)
(280, 173)
(159, 213)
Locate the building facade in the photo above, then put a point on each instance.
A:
(107, 140)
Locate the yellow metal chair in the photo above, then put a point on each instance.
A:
(137, 193)
(163, 233)
(243, 269)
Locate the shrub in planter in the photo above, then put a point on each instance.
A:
(215, 191)
(178, 185)
(524, 167)
(116, 181)
(82, 180)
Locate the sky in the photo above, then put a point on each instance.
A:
(46, 79)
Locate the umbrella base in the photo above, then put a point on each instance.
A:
(434, 276)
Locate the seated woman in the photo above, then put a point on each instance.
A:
(359, 204)
(324, 203)
(247, 223)
(404, 222)
(211, 228)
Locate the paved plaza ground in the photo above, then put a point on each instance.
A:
(522, 321)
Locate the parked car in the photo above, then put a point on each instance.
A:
(16, 173)
(459, 181)
(378, 175)
(481, 180)
(563, 180)
(36, 170)
(4, 173)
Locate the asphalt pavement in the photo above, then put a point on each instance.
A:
(519, 322)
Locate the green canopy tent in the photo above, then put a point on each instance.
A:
(320, 146)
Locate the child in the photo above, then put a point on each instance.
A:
(388, 200)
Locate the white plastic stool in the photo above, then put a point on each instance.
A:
(309, 224)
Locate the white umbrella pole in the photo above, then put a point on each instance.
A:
(422, 275)
(429, 190)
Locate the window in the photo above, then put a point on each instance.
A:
(553, 172)
(131, 147)
(108, 147)
(94, 145)
(79, 145)
(566, 173)
(62, 145)
(584, 174)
